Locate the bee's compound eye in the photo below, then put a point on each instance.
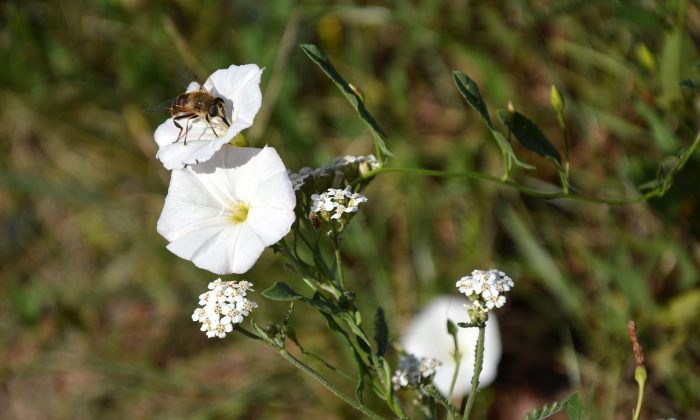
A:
(213, 109)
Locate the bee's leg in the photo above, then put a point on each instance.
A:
(179, 132)
(211, 126)
(188, 117)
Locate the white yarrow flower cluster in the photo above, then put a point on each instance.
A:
(223, 306)
(414, 372)
(336, 205)
(349, 166)
(485, 288)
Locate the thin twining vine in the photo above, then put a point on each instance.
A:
(662, 183)
(519, 127)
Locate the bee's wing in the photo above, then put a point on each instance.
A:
(193, 86)
(160, 108)
(185, 76)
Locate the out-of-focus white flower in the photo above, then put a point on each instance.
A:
(414, 372)
(239, 87)
(221, 214)
(427, 336)
(223, 306)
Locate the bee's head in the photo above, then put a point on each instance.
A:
(217, 109)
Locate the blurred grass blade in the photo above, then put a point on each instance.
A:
(352, 95)
(659, 129)
(530, 135)
(542, 263)
(676, 62)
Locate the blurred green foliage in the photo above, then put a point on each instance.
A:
(94, 311)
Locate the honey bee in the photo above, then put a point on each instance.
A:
(197, 104)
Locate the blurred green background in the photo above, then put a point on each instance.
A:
(95, 312)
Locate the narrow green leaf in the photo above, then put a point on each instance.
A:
(361, 338)
(470, 92)
(351, 94)
(334, 326)
(281, 292)
(572, 404)
(322, 305)
(574, 407)
(360, 389)
(508, 150)
(361, 368)
(262, 333)
(529, 134)
(451, 327)
(381, 332)
(659, 129)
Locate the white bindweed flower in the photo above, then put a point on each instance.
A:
(221, 214)
(199, 140)
(427, 336)
(223, 306)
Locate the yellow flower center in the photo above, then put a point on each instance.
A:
(238, 212)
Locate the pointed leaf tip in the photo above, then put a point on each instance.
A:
(529, 134)
(352, 94)
(281, 292)
(470, 92)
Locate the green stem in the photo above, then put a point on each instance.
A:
(457, 355)
(478, 362)
(640, 375)
(395, 405)
(435, 394)
(308, 370)
(338, 260)
(339, 266)
(656, 192)
(566, 150)
(299, 364)
(310, 280)
(318, 258)
(516, 186)
(564, 180)
(506, 166)
(567, 158)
